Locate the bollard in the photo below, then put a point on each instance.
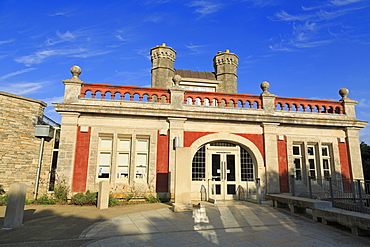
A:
(15, 206)
(103, 195)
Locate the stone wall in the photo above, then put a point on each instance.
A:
(19, 148)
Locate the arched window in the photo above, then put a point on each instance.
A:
(199, 165)
(246, 165)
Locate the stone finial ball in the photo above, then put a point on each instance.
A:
(76, 71)
(265, 86)
(343, 92)
(176, 79)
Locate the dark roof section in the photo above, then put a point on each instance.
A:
(195, 74)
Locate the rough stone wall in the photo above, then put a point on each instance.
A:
(19, 148)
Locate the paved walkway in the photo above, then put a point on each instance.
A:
(224, 224)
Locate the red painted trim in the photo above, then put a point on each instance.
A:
(283, 165)
(162, 163)
(81, 160)
(257, 140)
(190, 137)
(344, 160)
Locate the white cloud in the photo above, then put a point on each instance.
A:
(16, 73)
(195, 48)
(23, 87)
(205, 7)
(363, 103)
(61, 37)
(2, 42)
(344, 2)
(56, 99)
(365, 135)
(40, 56)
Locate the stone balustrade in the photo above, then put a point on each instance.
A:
(222, 99)
(206, 99)
(308, 105)
(117, 92)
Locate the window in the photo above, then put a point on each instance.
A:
(117, 154)
(105, 157)
(142, 149)
(246, 165)
(123, 158)
(311, 162)
(297, 156)
(325, 154)
(199, 165)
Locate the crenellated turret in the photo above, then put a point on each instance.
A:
(163, 59)
(225, 64)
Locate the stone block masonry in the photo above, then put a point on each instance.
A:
(19, 148)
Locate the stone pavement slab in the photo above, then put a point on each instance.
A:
(223, 224)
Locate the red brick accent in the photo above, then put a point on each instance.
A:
(257, 139)
(283, 166)
(190, 137)
(344, 159)
(81, 160)
(162, 163)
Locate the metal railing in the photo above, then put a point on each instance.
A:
(348, 194)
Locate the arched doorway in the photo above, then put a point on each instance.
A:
(224, 169)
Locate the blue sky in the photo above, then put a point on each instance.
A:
(305, 49)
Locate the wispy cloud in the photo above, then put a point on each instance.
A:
(61, 37)
(40, 56)
(344, 2)
(23, 87)
(204, 7)
(363, 103)
(195, 49)
(262, 3)
(312, 27)
(66, 13)
(2, 42)
(16, 73)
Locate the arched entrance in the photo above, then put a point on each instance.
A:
(224, 169)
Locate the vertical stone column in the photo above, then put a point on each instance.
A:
(103, 195)
(271, 157)
(354, 152)
(163, 59)
(176, 130)
(225, 64)
(15, 206)
(72, 88)
(67, 148)
(182, 180)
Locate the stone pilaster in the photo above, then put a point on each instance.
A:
(354, 152)
(67, 148)
(182, 179)
(271, 157)
(163, 59)
(225, 64)
(349, 108)
(176, 130)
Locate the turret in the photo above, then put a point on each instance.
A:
(163, 59)
(225, 64)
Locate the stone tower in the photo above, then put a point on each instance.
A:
(163, 59)
(225, 64)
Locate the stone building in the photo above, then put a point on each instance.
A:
(191, 136)
(20, 148)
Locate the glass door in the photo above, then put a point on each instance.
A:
(223, 182)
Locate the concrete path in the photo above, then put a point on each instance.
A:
(224, 224)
